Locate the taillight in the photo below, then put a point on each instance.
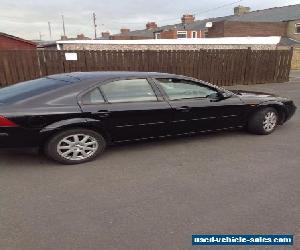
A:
(4, 122)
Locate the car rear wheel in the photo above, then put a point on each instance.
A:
(75, 146)
(264, 121)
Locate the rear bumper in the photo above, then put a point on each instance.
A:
(14, 137)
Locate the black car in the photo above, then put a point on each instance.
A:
(74, 116)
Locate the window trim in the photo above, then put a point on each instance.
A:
(124, 79)
(166, 96)
(92, 103)
(295, 28)
(196, 34)
(157, 35)
(181, 32)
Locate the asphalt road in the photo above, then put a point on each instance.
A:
(155, 195)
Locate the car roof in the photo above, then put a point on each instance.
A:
(71, 84)
(105, 75)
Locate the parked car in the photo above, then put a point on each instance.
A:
(74, 116)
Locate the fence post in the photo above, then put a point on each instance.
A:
(289, 64)
(247, 67)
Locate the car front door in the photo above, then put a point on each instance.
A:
(198, 107)
(128, 109)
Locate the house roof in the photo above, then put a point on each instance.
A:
(277, 14)
(285, 41)
(45, 44)
(17, 38)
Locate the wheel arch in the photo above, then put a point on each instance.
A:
(278, 106)
(78, 123)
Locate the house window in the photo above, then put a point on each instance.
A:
(181, 34)
(206, 33)
(157, 35)
(194, 34)
(297, 28)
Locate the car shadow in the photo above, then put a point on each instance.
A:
(141, 145)
(32, 157)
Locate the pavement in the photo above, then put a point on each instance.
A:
(155, 195)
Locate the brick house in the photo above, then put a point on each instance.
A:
(12, 42)
(279, 21)
(188, 28)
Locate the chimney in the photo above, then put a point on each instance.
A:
(187, 18)
(124, 30)
(105, 34)
(81, 37)
(240, 10)
(64, 38)
(151, 25)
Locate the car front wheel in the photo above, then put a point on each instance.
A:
(264, 121)
(75, 146)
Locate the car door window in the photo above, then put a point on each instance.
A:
(92, 97)
(177, 89)
(133, 90)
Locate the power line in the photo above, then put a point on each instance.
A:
(195, 13)
(219, 7)
(136, 23)
(159, 20)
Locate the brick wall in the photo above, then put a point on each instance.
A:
(10, 43)
(168, 34)
(217, 30)
(237, 29)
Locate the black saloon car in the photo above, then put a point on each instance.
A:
(74, 116)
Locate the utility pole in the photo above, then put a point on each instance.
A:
(95, 25)
(63, 23)
(50, 32)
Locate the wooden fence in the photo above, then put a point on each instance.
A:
(221, 67)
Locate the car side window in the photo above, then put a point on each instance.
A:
(92, 97)
(131, 90)
(177, 89)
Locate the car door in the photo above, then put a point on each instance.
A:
(128, 109)
(198, 107)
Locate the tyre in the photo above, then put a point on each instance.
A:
(75, 146)
(264, 121)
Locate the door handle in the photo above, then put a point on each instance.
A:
(184, 109)
(103, 113)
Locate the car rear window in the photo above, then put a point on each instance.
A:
(23, 90)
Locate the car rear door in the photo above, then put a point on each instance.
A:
(197, 108)
(128, 109)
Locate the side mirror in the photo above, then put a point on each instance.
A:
(218, 96)
(224, 95)
(214, 96)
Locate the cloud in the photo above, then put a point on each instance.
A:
(27, 18)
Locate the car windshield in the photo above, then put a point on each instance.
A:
(27, 89)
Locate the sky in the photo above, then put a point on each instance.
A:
(29, 18)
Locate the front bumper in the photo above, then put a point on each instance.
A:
(290, 110)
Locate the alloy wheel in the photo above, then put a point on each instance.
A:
(77, 147)
(270, 121)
